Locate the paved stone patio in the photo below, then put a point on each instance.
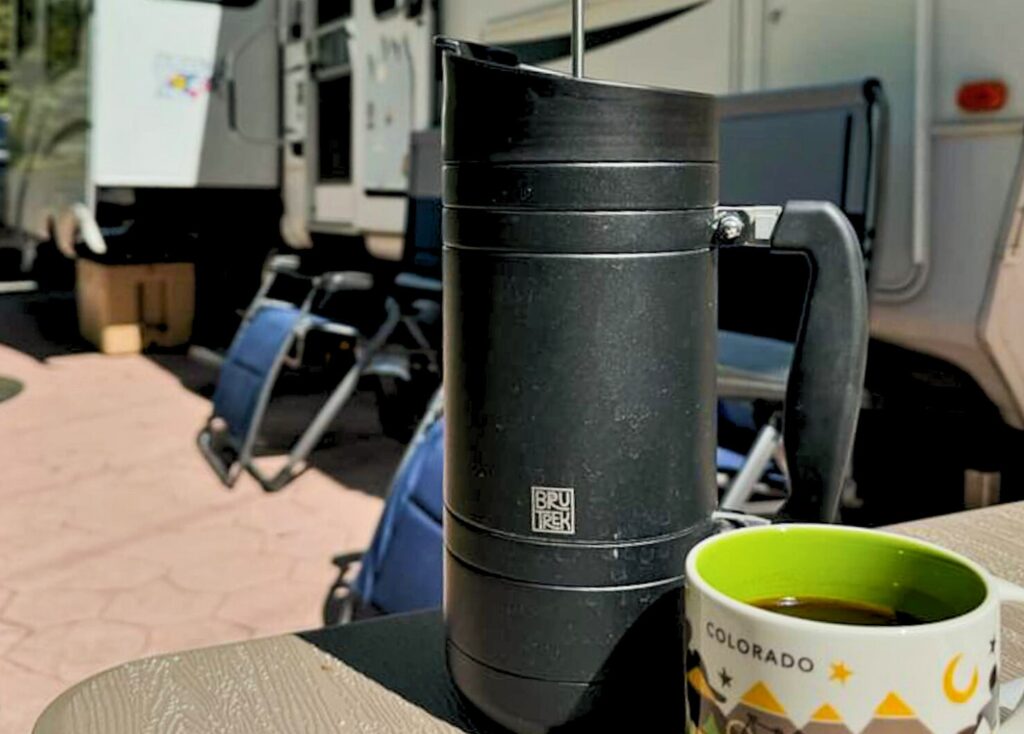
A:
(116, 540)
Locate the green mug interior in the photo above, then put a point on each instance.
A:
(843, 565)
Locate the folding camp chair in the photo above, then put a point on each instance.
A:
(824, 143)
(391, 327)
(274, 334)
(401, 571)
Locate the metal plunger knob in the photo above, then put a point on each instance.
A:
(579, 39)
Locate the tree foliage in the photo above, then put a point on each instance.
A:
(6, 49)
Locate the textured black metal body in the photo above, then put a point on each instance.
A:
(580, 314)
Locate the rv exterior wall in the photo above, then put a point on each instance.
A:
(978, 40)
(971, 182)
(160, 143)
(972, 46)
(160, 92)
(808, 42)
(743, 45)
(972, 179)
(653, 57)
(972, 293)
(1001, 330)
(697, 50)
(468, 19)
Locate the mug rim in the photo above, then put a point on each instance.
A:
(702, 585)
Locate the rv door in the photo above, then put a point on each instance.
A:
(332, 102)
(372, 85)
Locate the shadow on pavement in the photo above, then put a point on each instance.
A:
(41, 324)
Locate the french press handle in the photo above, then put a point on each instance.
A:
(826, 379)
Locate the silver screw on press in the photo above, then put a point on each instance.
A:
(730, 228)
(579, 37)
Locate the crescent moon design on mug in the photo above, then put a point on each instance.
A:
(953, 693)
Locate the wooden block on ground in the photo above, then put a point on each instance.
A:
(123, 309)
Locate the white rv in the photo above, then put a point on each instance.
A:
(126, 98)
(181, 95)
(148, 129)
(119, 98)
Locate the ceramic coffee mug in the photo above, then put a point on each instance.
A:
(754, 671)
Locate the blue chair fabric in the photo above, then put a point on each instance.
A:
(250, 363)
(402, 570)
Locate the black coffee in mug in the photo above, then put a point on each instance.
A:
(842, 611)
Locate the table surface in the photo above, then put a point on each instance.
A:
(343, 680)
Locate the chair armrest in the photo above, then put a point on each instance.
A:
(336, 329)
(733, 384)
(349, 280)
(418, 283)
(284, 264)
(752, 367)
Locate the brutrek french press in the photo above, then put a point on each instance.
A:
(581, 231)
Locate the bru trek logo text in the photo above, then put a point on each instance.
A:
(554, 510)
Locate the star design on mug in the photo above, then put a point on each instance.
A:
(726, 678)
(840, 672)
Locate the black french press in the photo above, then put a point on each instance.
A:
(581, 230)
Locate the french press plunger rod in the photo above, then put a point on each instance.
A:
(579, 37)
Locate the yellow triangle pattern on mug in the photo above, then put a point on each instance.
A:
(826, 715)
(761, 698)
(894, 707)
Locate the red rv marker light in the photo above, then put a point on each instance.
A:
(988, 95)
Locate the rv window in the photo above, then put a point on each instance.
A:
(26, 24)
(332, 50)
(228, 3)
(335, 108)
(412, 8)
(64, 19)
(328, 10)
